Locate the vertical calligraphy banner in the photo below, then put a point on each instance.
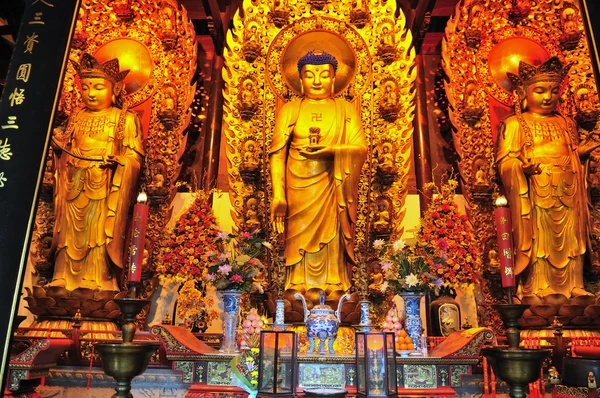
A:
(591, 17)
(27, 107)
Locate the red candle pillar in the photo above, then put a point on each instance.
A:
(138, 236)
(505, 245)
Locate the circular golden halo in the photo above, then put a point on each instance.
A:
(490, 79)
(133, 56)
(327, 41)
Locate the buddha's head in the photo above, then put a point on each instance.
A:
(317, 74)
(538, 87)
(101, 84)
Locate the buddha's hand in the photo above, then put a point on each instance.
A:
(531, 168)
(109, 161)
(278, 212)
(585, 148)
(317, 152)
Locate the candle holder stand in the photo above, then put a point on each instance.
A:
(125, 360)
(516, 366)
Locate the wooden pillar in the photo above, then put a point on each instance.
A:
(422, 156)
(214, 119)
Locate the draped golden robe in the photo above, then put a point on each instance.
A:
(321, 198)
(92, 203)
(548, 210)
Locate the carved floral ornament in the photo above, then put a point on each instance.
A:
(287, 31)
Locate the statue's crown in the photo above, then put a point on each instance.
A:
(550, 71)
(317, 57)
(90, 67)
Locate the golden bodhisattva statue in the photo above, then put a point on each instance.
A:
(315, 186)
(99, 156)
(539, 161)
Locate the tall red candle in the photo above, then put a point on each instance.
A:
(136, 251)
(505, 242)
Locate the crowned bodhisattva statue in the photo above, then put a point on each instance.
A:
(540, 163)
(98, 160)
(316, 156)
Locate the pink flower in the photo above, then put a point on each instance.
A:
(225, 269)
(245, 235)
(385, 267)
(236, 279)
(209, 277)
(223, 235)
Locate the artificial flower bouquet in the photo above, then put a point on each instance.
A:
(405, 270)
(236, 263)
(245, 371)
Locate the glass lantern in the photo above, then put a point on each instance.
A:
(376, 365)
(277, 364)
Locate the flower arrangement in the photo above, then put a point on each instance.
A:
(191, 242)
(236, 262)
(447, 234)
(245, 370)
(194, 307)
(184, 260)
(403, 269)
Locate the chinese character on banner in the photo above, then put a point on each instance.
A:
(503, 220)
(46, 2)
(2, 179)
(505, 236)
(5, 153)
(17, 96)
(23, 72)
(30, 41)
(11, 123)
(37, 19)
(508, 271)
(507, 253)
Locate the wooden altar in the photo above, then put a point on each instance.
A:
(440, 373)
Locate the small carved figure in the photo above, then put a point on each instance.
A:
(382, 217)
(472, 113)
(387, 168)
(387, 48)
(168, 33)
(248, 103)
(553, 376)
(168, 107)
(252, 47)
(570, 27)
(252, 220)
(591, 380)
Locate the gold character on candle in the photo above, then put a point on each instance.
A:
(315, 187)
(98, 160)
(539, 162)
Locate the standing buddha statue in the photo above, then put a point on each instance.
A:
(539, 162)
(98, 160)
(315, 186)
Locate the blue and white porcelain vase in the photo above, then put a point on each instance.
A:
(412, 321)
(231, 321)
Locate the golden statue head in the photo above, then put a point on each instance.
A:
(538, 87)
(94, 76)
(317, 74)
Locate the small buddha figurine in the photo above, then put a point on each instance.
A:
(382, 217)
(539, 162)
(252, 220)
(98, 162)
(315, 190)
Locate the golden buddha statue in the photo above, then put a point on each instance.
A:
(539, 163)
(315, 187)
(98, 160)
